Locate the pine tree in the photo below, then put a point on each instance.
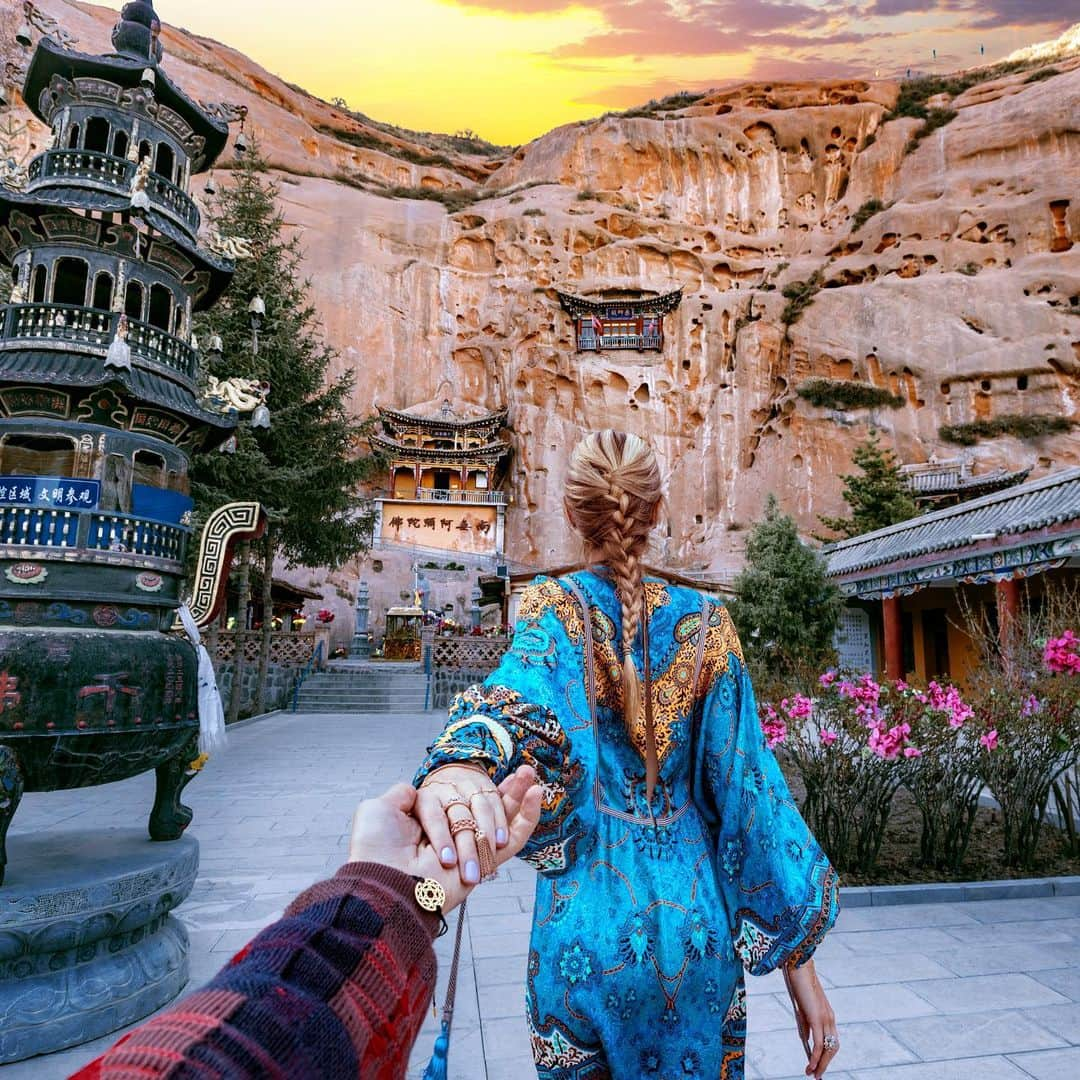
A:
(307, 467)
(878, 497)
(785, 609)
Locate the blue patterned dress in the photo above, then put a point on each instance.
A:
(644, 922)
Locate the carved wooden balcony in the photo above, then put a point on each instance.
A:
(449, 495)
(592, 343)
(95, 171)
(88, 330)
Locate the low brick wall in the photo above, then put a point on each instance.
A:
(280, 679)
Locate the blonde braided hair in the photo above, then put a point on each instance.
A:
(612, 490)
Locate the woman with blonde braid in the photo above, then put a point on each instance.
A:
(671, 856)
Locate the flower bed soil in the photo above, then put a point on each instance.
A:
(898, 865)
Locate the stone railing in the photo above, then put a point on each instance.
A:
(94, 170)
(458, 662)
(94, 330)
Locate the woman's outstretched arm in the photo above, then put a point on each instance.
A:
(509, 721)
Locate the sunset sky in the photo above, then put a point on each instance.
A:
(513, 69)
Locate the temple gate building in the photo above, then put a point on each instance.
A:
(444, 482)
(908, 586)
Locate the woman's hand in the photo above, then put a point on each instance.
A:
(460, 793)
(813, 1017)
(386, 831)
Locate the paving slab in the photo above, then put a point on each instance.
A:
(928, 991)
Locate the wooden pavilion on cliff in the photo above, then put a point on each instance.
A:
(908, 585)
(451, 457)
(628, 320)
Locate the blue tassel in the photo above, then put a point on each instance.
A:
(436, 1069)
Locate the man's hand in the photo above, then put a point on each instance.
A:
(385, 831)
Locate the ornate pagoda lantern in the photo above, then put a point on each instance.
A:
(99, 413)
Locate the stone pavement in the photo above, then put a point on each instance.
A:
(985, 990)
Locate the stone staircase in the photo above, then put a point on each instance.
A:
(364, 687)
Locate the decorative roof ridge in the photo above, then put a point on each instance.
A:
(498, 416)
(1061, 477)
(654, 294)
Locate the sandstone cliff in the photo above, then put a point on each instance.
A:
(961, 295)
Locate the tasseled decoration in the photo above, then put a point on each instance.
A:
(119, 354)
(211, 712)
(260, 418)
(254, 342)
(436, 1069)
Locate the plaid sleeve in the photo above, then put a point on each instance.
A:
(337, 987)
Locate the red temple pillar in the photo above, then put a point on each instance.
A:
(894, 638)
(1008, 608)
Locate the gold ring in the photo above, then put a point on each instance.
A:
(457, 800)
(462, 824)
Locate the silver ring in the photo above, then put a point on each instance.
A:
(831, 1042)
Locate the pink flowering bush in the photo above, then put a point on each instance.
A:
(1026, 701)
(850, 758)
(941, 768)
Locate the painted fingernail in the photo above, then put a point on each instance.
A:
(447, 855)
(472, 871)
(500, 836)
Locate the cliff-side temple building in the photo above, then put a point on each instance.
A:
(626, 320)
(440, 521)
(444, 486)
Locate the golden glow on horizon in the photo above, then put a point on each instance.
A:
(434, 65)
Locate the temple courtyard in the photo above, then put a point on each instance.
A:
(951, 991)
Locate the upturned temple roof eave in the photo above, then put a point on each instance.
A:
(1049, 505)
(661, 303)
(400, 416)
(18, 366)
(51, 59)
(487, 452)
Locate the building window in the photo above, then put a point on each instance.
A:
(103, 290)
(163, 166)
(37, 292)
(120, 144)
(69, 284)
(148, 468)
(404, 483)
(37, 455)
(73, 137)
(160, 307)
(146, 151)
(97, 135)
(133, 300)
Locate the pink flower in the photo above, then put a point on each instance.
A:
(799, 708)
(901, 685)
(828, 737)
(1031, 705)
(1061, 655)
(912, 751)
(773, 727)
(990, 739)
(888, 744)
(828, 678)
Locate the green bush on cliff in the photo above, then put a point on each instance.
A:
(847, 394)
(1019, 426)
(800, 295)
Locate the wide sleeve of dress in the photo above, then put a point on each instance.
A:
(512, 719)
(780, 890)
